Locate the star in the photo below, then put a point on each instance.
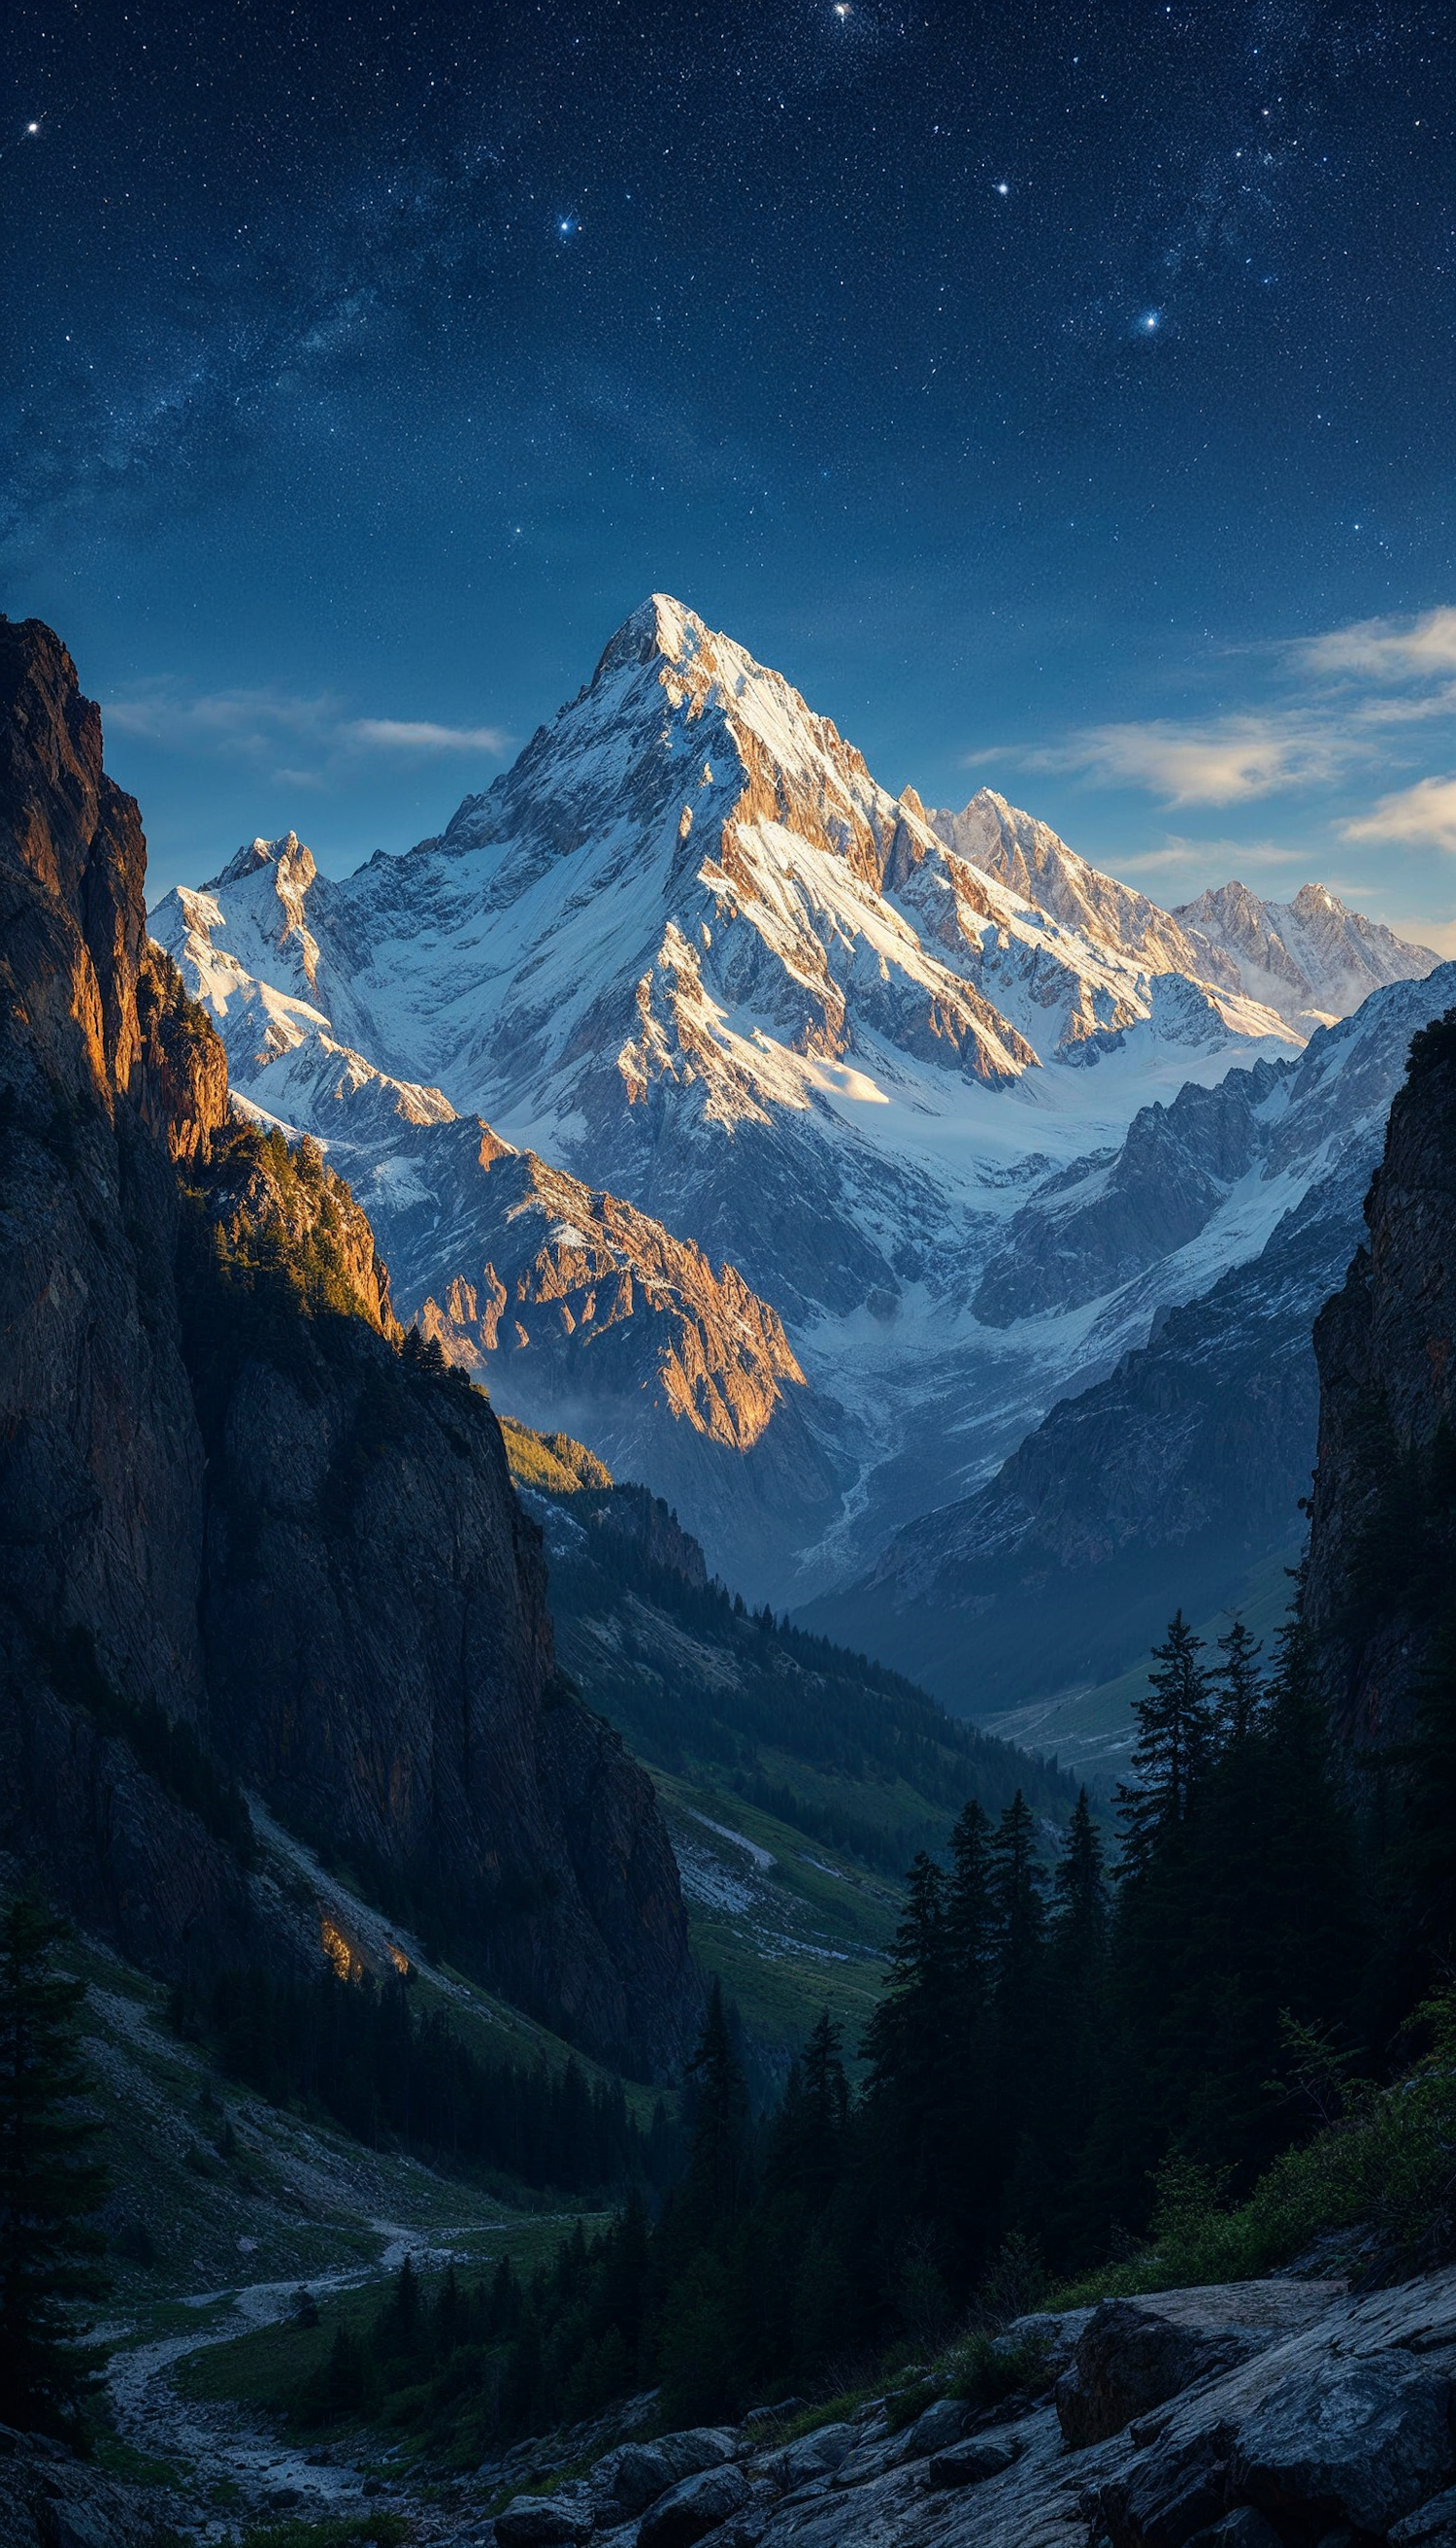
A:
(840, 8)
(568, 225)
(33, 127)
(1003, 188)
(1149, 322)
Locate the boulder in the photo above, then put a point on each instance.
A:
(688, 2512)
(637, 2473)
(872, 2459)
(1135, 2354)
(1166, 2499)
(1433, 2526)
(818, 2454)
(968, 2463)
(542, 2521)
(1367, 2440)
(939, 2426)
(1052, 2333)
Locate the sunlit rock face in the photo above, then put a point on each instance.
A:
(226, 1495)
(1313, 959)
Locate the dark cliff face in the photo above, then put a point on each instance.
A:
(226, 1495)
(1381, 1561)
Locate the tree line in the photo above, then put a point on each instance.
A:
(398, 2078)
(1056, 2038)
(1057, 2034)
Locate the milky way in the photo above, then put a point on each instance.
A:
(997, 371)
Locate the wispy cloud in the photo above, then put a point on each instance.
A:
(1182, 856)
(1352, 697)
(244, 720)
(1425, 815)
(1224, 762)
(400, 734)
(1386, 649)
(300, 738)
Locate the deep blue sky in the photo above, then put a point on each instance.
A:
(1034, 384)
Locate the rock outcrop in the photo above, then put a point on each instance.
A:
(228, 1502)
(1280, 2414)
(1383, 1530)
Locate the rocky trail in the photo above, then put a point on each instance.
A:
(218, 2450)
(1285, 2413)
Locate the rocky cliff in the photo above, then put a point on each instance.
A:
(230, 1504)
(1383, 1531)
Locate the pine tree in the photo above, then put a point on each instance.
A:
(1175, 1727)
(715, 2189)
(805, 2146)
(1080, 1886)
(400, 2326)
(905, 2039)
(1077, 2018)
(968, 1913)
(1019, 2008)
(1239, 1685)
(1017, 1908)
(50, 2189)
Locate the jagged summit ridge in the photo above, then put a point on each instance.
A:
(1312, 958)
(689, 950)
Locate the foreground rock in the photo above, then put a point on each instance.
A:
(1287, 2414)
(1135, 2355)
(49, 2499)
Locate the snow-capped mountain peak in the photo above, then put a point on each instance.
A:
(1312, 958)
(689, 950)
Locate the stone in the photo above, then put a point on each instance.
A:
(871, 2459)
(1367, 2440)
(1132, 2355)
(85, 2525)
(694, 2507)
(637, 2473)
(1166, 2500)
(1432, 2525)
(968, 2463)
(816, 2455)
(939, 2426)
(542, 2521)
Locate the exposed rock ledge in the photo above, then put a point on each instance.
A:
(1239, 2417)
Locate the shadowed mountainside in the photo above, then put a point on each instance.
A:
(243, 1537)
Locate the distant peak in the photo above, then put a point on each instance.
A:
(659, 626)
(287, 851)
(1312, 898)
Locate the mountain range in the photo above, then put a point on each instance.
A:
(799, 1148)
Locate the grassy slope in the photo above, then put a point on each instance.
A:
(226, 2190)
(714, 1703)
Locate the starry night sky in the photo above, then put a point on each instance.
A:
(1054, 393)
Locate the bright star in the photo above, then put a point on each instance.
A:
(840, 8)
(33, 127)
(1003, 188)
(1149, 320)
(568, 225)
